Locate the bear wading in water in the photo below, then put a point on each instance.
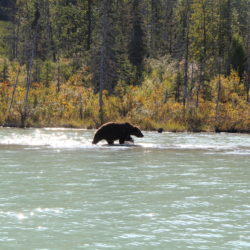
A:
(112, 131)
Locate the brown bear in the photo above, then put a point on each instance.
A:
(112, 131)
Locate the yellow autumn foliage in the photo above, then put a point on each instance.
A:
(151, 105)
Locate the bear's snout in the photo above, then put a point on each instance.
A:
(141, 135)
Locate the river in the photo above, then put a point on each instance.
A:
(168, 191)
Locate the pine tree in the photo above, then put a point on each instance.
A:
(6, 9)
(137, 48)
(106, 66)
(201, 37)
(168, 28)
(156, 28)
(248, 56)
(32, 43)
(124, 68)
(89, 19)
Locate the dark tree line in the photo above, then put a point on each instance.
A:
(115, 38)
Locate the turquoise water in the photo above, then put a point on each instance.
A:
(169, 191)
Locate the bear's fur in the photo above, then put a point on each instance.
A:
(112, 131)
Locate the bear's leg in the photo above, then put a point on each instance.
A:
(129, 138)
(121, 140)
(110, 142)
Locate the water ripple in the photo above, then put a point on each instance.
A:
(170, 191)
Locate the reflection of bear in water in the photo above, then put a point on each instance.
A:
(112, 131)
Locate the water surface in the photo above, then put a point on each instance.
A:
(170, 191)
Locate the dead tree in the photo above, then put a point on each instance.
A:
(29, 65)
(102, 79)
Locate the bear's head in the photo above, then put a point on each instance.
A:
(134, 130)
(96, 139)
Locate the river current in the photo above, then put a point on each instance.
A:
(168, 191)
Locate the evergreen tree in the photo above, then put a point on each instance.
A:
(6, 9)
(168, 33)
(106, 60)
(89, 20)
(248, 55)
(31, 46)
(124, 68)
(156, 28)
(201, 32)
(211, 35)
(137, 48)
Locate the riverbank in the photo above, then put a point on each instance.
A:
(156, 129)
(220, 106)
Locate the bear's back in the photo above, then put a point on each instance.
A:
(110, 131)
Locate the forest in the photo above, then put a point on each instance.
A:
(180, 65)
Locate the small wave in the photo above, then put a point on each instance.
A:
(65, 129)
(47, 142)
(56, 138)
(81, 138)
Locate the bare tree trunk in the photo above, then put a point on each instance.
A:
(154, 30)
(217, 105)
(50, 39)
(203, 55)
(219, 67)
(103, 56)
(5, 70)
(89, 17)
(230, 32)
(218, 97)
(168, 35)
(192, 81)
(178, 84)
(58, 80)
(186, 62)
(14, 40)
(248, 56)
(25, 112)
(204, 34)
(81, 114)
(12, 96)
(198, 88)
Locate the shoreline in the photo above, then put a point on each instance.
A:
(69, 126)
